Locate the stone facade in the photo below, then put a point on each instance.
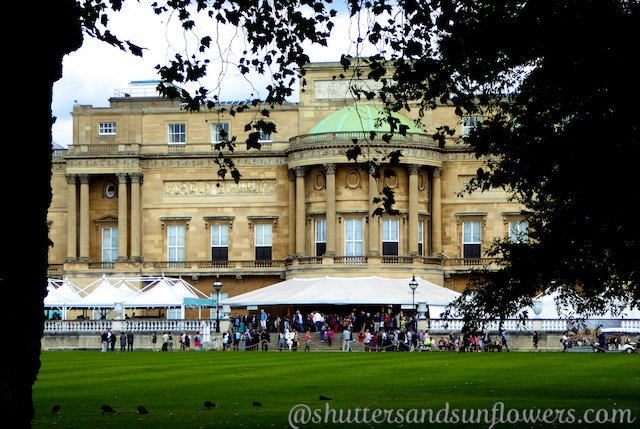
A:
(124, 173)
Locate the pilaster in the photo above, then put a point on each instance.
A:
(123, 205)
(414, 169)
(72, 218)
(330, 170)
(84, 217)
(300, 210)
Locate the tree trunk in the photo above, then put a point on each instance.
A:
(44, 34)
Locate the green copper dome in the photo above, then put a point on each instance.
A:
(360, 118)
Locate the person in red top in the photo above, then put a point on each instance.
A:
(307, 341)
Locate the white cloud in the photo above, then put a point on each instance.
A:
(93, 73)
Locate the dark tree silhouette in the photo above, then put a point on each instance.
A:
(35, 52)
(553, 82)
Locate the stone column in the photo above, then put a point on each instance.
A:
(292, 212)
(374, 229)
(84, 217)
(330, 184)
(72, 218)
(136, 220)
(123, 218)
(300, 211)
(414, 169)
(436, 212)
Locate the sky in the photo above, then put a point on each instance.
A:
(91, 74)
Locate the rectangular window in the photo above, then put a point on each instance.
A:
(321, 237)
(107, 128)
(390, 237)
(420, 237)
(219, 242)
(175, 243)
(262, 242)
(471, 239)
(518, 231)
(109, 244)
(265, 138)
(177, 133)
(219, 132)
(468, 122)
(353, 237)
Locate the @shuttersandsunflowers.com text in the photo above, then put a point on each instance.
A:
(305, 415)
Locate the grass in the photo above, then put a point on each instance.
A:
(173, 387)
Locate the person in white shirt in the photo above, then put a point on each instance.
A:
(346, 340)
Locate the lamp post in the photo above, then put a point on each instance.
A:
(413, 284)
(217, 285)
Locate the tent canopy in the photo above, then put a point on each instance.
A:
(159, 292)
(345, 291)
(104, 295)
(550, 309)
(61, 296)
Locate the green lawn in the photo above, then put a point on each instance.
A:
(173, 387)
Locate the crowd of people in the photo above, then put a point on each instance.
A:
(361, 330)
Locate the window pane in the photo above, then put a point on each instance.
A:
(468, 122)
(175, 242)
(262, 235)
(109, 244)
(321, 231)
(471, 232)
(219, 235)
(107, 128)
(264, 137)
(177, 133)
(219, 131)
(353, 237)
(390, 229)
(518, 231)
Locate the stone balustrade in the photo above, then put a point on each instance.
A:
(52, 327)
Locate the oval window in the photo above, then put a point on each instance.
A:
(110, 190)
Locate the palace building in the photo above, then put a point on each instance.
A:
(138, 194)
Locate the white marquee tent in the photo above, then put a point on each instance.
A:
(347, 291)
(120, 294)
(61, 295)
(550, 310)
(104, 294)
(165, 293)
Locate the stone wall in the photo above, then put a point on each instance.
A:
(74, 341)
